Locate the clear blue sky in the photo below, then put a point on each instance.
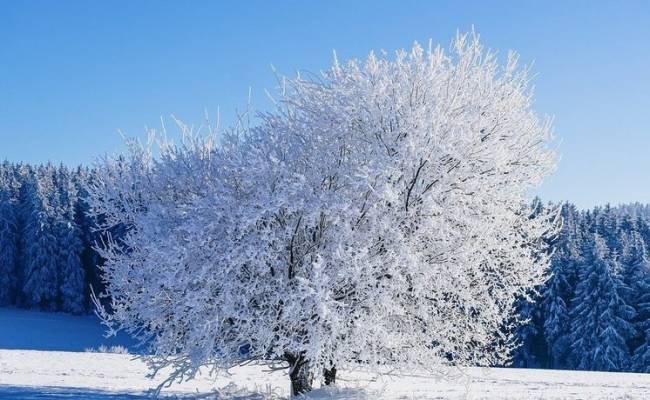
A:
(73, 73)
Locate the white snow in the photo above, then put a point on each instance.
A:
(28, 374)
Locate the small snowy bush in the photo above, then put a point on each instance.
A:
(105, 349)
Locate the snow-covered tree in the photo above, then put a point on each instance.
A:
(641, 358)
(38, 244)
(600, 318)
(71, 273)
(377, 216)
(636, 267)
(88, 234)
(531, 349)
(529, 323)
(8, 246)
(556, 323)
(46, 204)
(558, 291)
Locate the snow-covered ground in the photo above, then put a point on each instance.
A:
(28, 372)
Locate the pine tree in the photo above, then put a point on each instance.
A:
(70, 269)
(600, 319)
(531, 352)
(38, 245)
(557, 291)
(47, 258)
(605, 225)
(637, 277)
(71, 274)
(641, 358)
(556, 317)
(529, 329)
(87, 224)
(8, 250)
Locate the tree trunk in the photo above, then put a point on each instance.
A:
(330, 376)
(301, 377)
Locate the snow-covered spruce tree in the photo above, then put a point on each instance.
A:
(376, 217)
(558, 290)
(90, 259)
(531, 349)
(529, 323)
(38, 244)
(71, 273)
(637, 277)
(600, 318)
(8, 246)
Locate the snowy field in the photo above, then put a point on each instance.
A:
(26, 374)
(32, 366)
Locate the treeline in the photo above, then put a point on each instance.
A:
(593, 313)
(47, 259)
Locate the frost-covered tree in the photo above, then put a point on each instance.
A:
(558, 290)
(38, 245)
(531, 349)
(600, 318)
(8, 246)
(641, 357)
(636, 267)
(376, 217)
(88, 234)
(46, 204)
(529, 323)
(626, 285)
(71, 273)
(556, 323)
